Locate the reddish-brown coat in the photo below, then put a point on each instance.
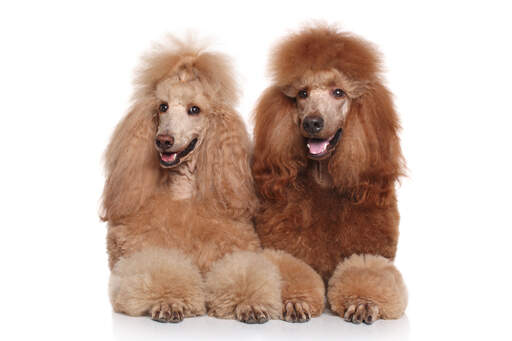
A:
(357, 213)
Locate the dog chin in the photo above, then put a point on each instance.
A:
(321, 149)
(173, 159)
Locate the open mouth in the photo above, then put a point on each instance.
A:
(318, 148)
(169, 159)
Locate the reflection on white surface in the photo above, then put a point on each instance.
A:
(204, 327)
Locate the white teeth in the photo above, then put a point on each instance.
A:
(309, 147)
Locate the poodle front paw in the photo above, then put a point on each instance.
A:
(296, 311)
(365, 288)
(360, 310)
(244, 286)
(167, 312)
(251, 314)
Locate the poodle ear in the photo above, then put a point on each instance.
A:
(224, 166)
(132, 169)
(368, 160)
(277, 156)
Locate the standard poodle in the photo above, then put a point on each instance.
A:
(326, 161)
(179, 198)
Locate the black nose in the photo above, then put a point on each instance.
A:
(313, 124)
(164, 141)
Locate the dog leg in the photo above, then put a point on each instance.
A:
(245, 286)
(164, 284)
(303, 291)
(364, 288)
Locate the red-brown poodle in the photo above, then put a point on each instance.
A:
(179, 199)
(326, 161)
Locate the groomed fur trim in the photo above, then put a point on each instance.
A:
(153, 277)
(368, 277)
(187, 60)
(323, 48)
(240, 281)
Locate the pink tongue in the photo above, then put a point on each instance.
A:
(169, 157)
(317, 146)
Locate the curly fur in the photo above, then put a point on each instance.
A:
(300, 283)
(140, 282)
(132, 169)
(161, 244)
(235, 282)
(354, 210)
(370, 139)
(371, 278)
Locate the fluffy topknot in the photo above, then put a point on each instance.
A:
(322, 48)
(174, 57)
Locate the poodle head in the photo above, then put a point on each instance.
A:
(327, 102)
(323, 71)
(186, 85)
(182, 112)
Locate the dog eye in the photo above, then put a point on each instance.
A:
(303, 93)
(163, 107)
(338, 93)
(194, 110)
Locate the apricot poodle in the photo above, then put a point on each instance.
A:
(179, 198)
(326, 161)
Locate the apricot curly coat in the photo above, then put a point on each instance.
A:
(180, 239)
(338, 213)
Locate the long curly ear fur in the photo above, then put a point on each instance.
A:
(224, 166)
(368, 161)
(277, 144)
(131, 166)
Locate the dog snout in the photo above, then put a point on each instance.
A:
(164, 142)
(313, 124)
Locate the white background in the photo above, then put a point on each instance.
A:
(65, 81)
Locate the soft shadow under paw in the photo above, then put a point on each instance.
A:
(251, 314)
(296, 311)
(361, 311)
(167, 312)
